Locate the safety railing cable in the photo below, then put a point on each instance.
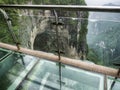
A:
(8, 20)
(14, 37)
(66, 7)
(57, 23)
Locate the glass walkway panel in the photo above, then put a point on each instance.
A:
(45, 76)
(39, 74)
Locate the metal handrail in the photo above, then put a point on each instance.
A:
(64, 60)
(66, 7)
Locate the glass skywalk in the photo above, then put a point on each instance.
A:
(93, 39)
(39, 74)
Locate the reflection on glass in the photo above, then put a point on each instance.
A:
(12, 65)
(95, 38)
(45, 76)
(103, 37)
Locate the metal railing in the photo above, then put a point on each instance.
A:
(66, 7)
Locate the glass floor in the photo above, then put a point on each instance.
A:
(45, 76)
(24, 72)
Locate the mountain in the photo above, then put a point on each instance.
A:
(103, 35)
(111, 4)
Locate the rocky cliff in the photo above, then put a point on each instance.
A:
(40, 33)
(36, 29)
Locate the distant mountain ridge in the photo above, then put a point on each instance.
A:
(105, 15)
(110, 4)
(103, 35)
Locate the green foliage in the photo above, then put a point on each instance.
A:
(13, 1)
(60, 2)
(92, 56)
(107, 32)
(4, 33)
(73, 25)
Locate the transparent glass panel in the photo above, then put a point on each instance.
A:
(2, 53)
(103, 37)
(13, 66)
(116, 85)
(78, 79)
(94, 39)
(45, 76)
(81, 35)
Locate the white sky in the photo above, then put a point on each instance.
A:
(101, 2)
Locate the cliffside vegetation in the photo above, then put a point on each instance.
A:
(103, 37)
(77, 29)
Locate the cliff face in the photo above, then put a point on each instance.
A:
(39, 33)
(36, 30)
(30, 26)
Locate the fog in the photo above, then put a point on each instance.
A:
(101, 2)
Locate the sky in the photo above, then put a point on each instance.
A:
(101, 2)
